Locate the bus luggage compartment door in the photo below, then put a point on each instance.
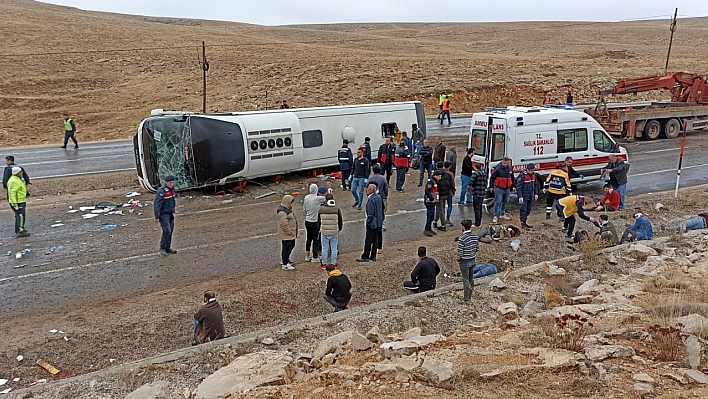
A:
(273, 143)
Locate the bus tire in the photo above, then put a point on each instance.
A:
(652, 130)
(670, 128)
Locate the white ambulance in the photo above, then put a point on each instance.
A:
(543, 136)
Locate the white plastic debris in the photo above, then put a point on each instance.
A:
(20, 358)
(86, 208)
(228, 201)
(53, 331)
(16, 379)
(5, 391)
(111, 360)
(66, 338)
(3, 381)
(61, 332)
(515, 244)
(57, 225)
(73, 211)
(658, 206)
(131, 194)
(89, 215)
(18, 255)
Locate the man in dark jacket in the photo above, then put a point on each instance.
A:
(417, 136)
(572, 173)
(618, 169)
(208, 321)
(478, 187)
(431, 199)
(466, 177)
(444, 188)
(367, 148)
(338, 291)
(527, 191)
(401, 163)
(164, 207)
(360, 177)
(7, 173)
(382, 190)
(439, 151)
(346, 162)
(408, 143)
(374, 222)
(387, 152)
(424, 274)
(425, 155)
(502, 183)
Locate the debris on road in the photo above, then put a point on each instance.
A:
(73, 211)
(86, 208)
(53, 331)
(3, 381)
(131, 194)
(89, 215)
(6, 391)
(515, 244)
(20, 358)
(9, 253)
(57, 225)
(265, 195)
(108, 227)
(18, 255)
(228, 201)
(51, 369)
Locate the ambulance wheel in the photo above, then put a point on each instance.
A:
(652, 130)
(670, 128)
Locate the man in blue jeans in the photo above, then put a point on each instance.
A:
(502, 184)
(425, 156)
(360, 177)
(617, 170)
(466, 178)
(695, 223)
(417, 136)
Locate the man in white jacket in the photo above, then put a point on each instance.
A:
(311, 207)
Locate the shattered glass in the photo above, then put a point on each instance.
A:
(173, 146)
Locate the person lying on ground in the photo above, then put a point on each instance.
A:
(640, 230)
(338, 291)
(695, 223)
(610, 202)
(208, 321)
(607, 230)
(424, 274)
(497, 232)
(491, 267)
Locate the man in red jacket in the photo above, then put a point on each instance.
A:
(610, 202)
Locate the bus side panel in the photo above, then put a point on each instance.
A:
(280, 128)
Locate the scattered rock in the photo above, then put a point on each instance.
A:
(553, 270)
(553, 358)
(412, 333)
(328, 359)
(675, 377)
(642, 250)
(408, 347)
(553, 298)
(581, 300)
(247, 372)
(335, 343)
(611, 258)
(268, 341)
(155, 390)
(586, 286)
(374, 335)
(695, 376)
(515, 323)
(497, 285)
(507, 310)
(482, 326)
(694, 324)
(491, 374)
(600, 353)
(693, 349)
(512, 339)
(694, 257)
(642, 377)
(644, 389)
(530, 309)
(437, 370)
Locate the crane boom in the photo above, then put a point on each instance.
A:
(685, 87)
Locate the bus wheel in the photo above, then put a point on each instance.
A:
(652, 130)
(671, 128)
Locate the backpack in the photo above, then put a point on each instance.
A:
(580, 236)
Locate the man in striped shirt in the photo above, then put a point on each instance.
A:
(467, 246)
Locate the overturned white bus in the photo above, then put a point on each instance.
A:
(214, 149)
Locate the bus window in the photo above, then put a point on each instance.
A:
(311, 138)
(479, 141)
(499, 144)
(572, 140)
(602, 142)
(388, 129)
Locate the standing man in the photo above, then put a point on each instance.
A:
(164, 207)
(418, 136)
(287, 231)
(501, 183)
(401, 163)
(359, 178)
(467, 246)
(10, 162)
(466, 177)
(569, 97)
(346, 162)
(527, 191)
(618, 169)
(546, 97)
(444, 190)
(367, 148)
(557, 186)
(338, 291)
(284, 105)
(572, 173)
(381, 189)
(445, 110)
(431, 200)
(387, 152)
(17, 197)
(447, 167)
(311, 208)
(424, 274)
(451, 157)
(439, 151)
(409, 146)
(478, 187)
(330, 225)
(69, 132)
(425, 155)
(570, 206)
(209, 321)
(373, 221)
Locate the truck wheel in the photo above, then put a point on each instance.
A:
(652, 130)
(671, 128)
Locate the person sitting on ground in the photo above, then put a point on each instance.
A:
(338, 291)
(607, 230)
(640, 230)
(424, 274)
(610, 202)
(695, 223)
(208, 321)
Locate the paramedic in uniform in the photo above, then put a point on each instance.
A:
(556, 187)
(164, 207)
(570, 206)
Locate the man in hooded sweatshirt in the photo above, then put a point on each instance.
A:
(338, 292)
(330, 226)
(209, 320)
(287, 230)
(311, 207)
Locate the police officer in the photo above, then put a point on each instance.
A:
(527, 191)
(164, 207)
(346, 162)
(69, 132)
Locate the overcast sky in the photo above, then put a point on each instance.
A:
(281, 12)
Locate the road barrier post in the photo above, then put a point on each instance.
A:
(678, 172)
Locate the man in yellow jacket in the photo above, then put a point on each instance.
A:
(570, 206)
(17, 197)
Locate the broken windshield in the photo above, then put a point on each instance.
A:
(167, 147)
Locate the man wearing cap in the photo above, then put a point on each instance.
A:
(346, 162)
(10, 161)
(164, 207)
(16, 196)
(527, 191)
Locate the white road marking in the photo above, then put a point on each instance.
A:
(655, 151)
(83, 173)
(668, 170)
(72, 160)
(152, 254)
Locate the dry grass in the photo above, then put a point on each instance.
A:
(562, 285)
(692, 199)
(590, 247)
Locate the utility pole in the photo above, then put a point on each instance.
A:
(673, 29)
(205, 68)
